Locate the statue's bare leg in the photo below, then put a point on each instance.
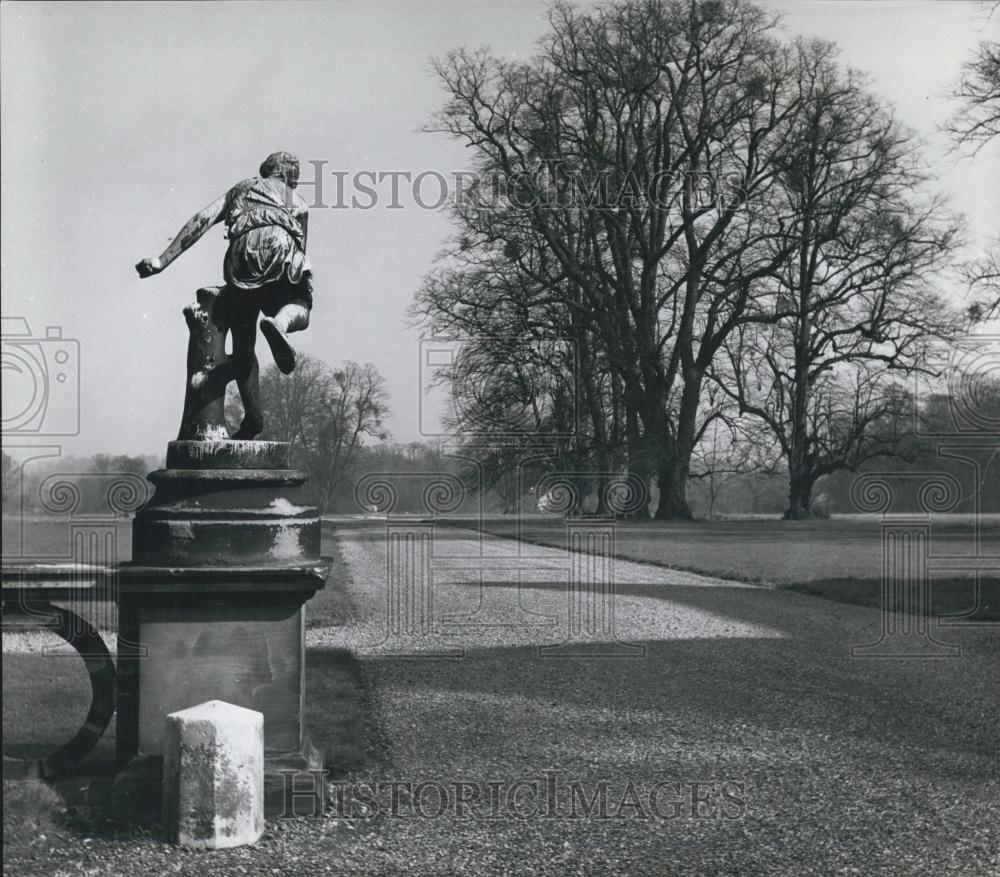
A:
(292, 317)
(247, 372)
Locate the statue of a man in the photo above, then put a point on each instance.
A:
(265, 269)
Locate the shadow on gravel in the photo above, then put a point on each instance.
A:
(799, 685)
(773, 609)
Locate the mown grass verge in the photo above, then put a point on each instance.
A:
(948, 596)
(339, 696)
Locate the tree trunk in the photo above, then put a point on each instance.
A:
(208, 370)
(800, 485)
(595, 412)
(676, 464)
(800, 480)
(508, 483)
(638, 459)
(672, 479)
(600, 483)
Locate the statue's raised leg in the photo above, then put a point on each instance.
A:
(293, 317)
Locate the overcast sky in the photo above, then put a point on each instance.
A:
(121, 120)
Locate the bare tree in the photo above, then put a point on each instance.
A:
(982, 275)
(530, 366)
(358, 404)
(325, 414)
(636, 105)
(854, 302)
(974, 125)
(977, 122)
(728, 449)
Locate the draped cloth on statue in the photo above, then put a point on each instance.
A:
(265, 235)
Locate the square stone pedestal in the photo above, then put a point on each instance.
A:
(237, 635)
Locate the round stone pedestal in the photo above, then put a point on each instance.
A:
(226, 504)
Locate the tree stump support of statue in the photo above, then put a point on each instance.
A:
(211, 607)
(208, 372)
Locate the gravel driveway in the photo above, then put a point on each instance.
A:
(718, 728)
(770, 749)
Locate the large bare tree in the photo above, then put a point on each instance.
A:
(855, 301)
(974, 125)
(606, 144)
(977, 120)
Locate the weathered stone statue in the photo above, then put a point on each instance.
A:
(265, 270)
(227, 552)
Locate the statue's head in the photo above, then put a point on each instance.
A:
(283, 165)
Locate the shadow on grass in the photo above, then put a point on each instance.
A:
(795, 681)
(338, 710)
(958, 597)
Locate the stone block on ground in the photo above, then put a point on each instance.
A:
(213, 776)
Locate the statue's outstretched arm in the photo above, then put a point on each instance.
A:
(192, 231)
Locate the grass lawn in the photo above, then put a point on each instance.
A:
(949, 595)
(338, 696)
(755, 550)
(50, 538)
(838, 559)
(45, 701)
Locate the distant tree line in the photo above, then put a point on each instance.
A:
(732, 471)
(79, 485)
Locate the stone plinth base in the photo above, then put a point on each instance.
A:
(187, 635)
(211, 607)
